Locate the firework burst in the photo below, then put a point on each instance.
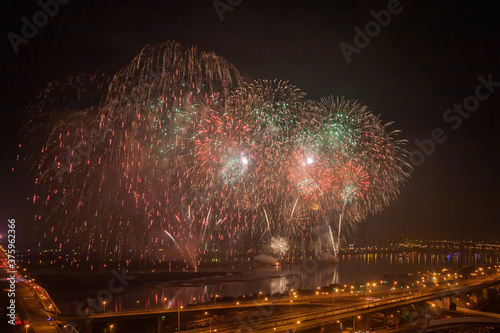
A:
(177, 148)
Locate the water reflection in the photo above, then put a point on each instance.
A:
(273, 280)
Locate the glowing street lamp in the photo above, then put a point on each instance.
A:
(104, 305)
(27, 326)
(354, 322)
(179, 318)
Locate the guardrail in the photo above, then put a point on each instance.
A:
(373, 304)
(308, 317)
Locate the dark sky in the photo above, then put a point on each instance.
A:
(427, 59)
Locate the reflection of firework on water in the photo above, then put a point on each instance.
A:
(279, 245)
(180, 144)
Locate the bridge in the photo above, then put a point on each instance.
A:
(299, 312)
(313, 311)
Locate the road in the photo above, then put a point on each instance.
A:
(306, 311)
(346, 307)
(263, 316)
(29, 308)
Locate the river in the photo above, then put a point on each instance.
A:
(352, 268)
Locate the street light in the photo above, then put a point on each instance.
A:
(179, 318)
(27, 326)
(164, 302)
(111, 328)
(104, 304)
(333, 297)
(354, 323)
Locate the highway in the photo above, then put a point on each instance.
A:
(30, 303)
(321, 312)
(327, 315)
(264, 315)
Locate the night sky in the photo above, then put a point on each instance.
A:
(427, 58)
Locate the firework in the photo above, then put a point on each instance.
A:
(279, 245)
(177, 149)
(133, 182)
(364, 159)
